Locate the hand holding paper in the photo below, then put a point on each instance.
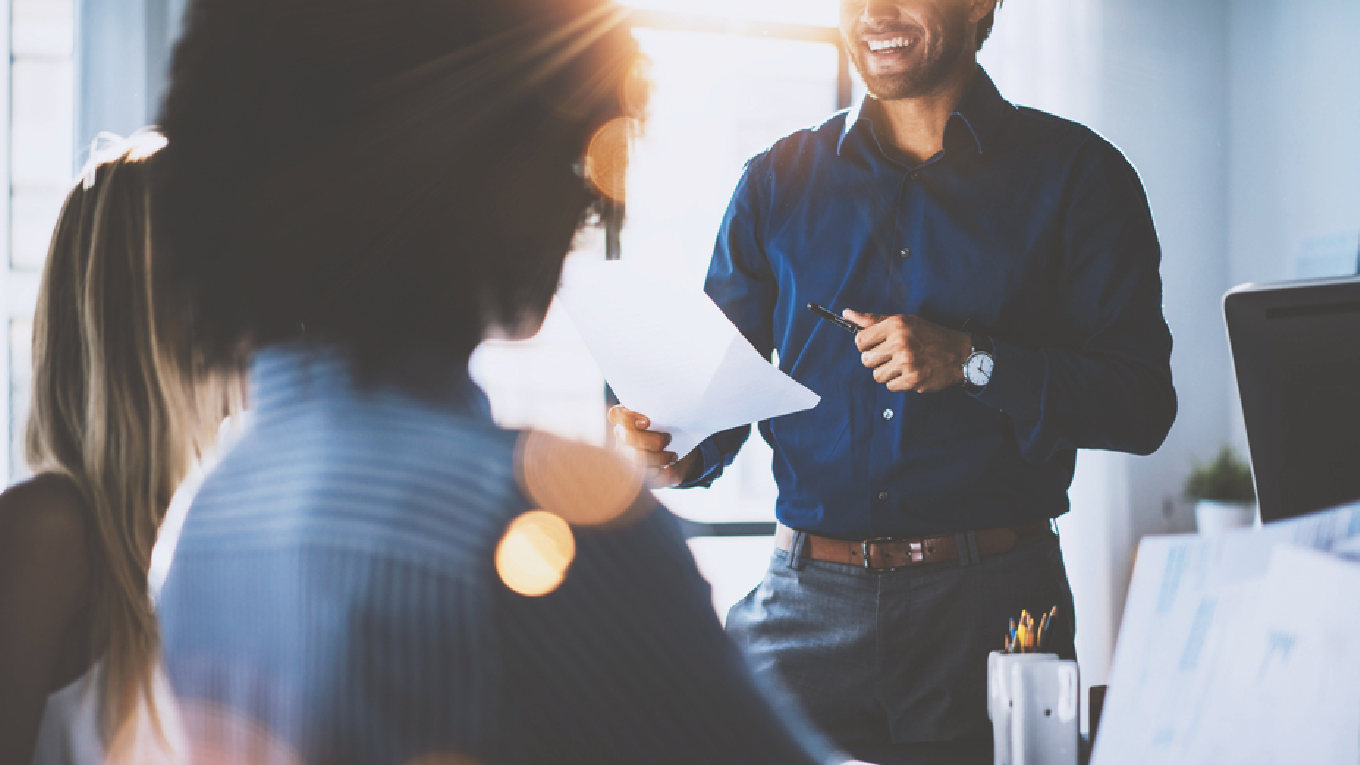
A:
(651, 448)
(671, 354)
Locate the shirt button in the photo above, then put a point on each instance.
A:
(887, 414)
(915, 176)
(883, 496)
(904, 253)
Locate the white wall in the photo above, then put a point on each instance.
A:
(1295, 107)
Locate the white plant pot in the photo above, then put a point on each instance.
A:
(1214, 516)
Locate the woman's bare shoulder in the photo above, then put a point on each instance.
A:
(44, 517)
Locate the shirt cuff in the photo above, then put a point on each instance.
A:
(1016, 387)
(711, 465)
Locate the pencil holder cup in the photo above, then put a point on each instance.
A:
(1044, 713)
(999, 701)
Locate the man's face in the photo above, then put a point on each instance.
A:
(905, 48)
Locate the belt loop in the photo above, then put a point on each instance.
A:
(961, 542)
(973, 547)
(795, 561)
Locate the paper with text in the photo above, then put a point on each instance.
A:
(1188, 603)
(671, 354)
(1288, 687)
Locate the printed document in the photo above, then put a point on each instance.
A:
(1194, 607)
(1289, 680)
(671, 354)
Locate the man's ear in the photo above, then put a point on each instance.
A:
(981, 8)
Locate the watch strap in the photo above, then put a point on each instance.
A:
(981, 344)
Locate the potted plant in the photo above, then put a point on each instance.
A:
(1223, 493)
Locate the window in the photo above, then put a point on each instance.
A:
(39, 122)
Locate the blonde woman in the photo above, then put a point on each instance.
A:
(114, 427)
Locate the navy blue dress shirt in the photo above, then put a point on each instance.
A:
(1026, 228)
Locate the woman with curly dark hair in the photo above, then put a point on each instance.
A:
(354, 194)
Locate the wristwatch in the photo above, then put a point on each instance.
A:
(977, 369)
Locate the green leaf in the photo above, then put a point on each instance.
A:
(1227, 479)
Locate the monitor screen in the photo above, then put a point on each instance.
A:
(1296, 349)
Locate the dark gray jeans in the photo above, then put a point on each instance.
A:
(893, 665)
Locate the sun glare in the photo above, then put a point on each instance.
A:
(817, 12)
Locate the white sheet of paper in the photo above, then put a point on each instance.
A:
(670, 353)
(1287, 686)
(1187, 603)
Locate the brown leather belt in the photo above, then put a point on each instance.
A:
(887, 553)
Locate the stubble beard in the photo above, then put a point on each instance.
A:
(947, 47)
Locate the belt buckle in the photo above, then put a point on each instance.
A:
(864, 551)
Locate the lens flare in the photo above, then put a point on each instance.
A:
(635, 92)
(607, 157)
(585, 485)
(222, 736)
(533, 556)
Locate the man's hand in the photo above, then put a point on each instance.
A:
(649, 448)
(910, 353)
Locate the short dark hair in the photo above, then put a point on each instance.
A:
(387, 176)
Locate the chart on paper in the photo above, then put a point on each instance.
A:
(1209, 636)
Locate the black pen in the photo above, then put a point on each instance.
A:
(848, 326)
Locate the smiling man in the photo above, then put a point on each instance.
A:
(1003, 268)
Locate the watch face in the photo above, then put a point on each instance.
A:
(978, 370)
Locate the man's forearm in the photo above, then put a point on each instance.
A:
(1061, 399)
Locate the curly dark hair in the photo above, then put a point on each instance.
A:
(386, 175)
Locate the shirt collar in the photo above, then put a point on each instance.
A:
(979, 114)
(852, 118)
(285, 374)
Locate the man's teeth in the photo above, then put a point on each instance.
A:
(881, 45)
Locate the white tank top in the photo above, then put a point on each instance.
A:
(69, 734)
(70, 725)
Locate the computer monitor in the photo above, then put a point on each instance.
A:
(1296, 348)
